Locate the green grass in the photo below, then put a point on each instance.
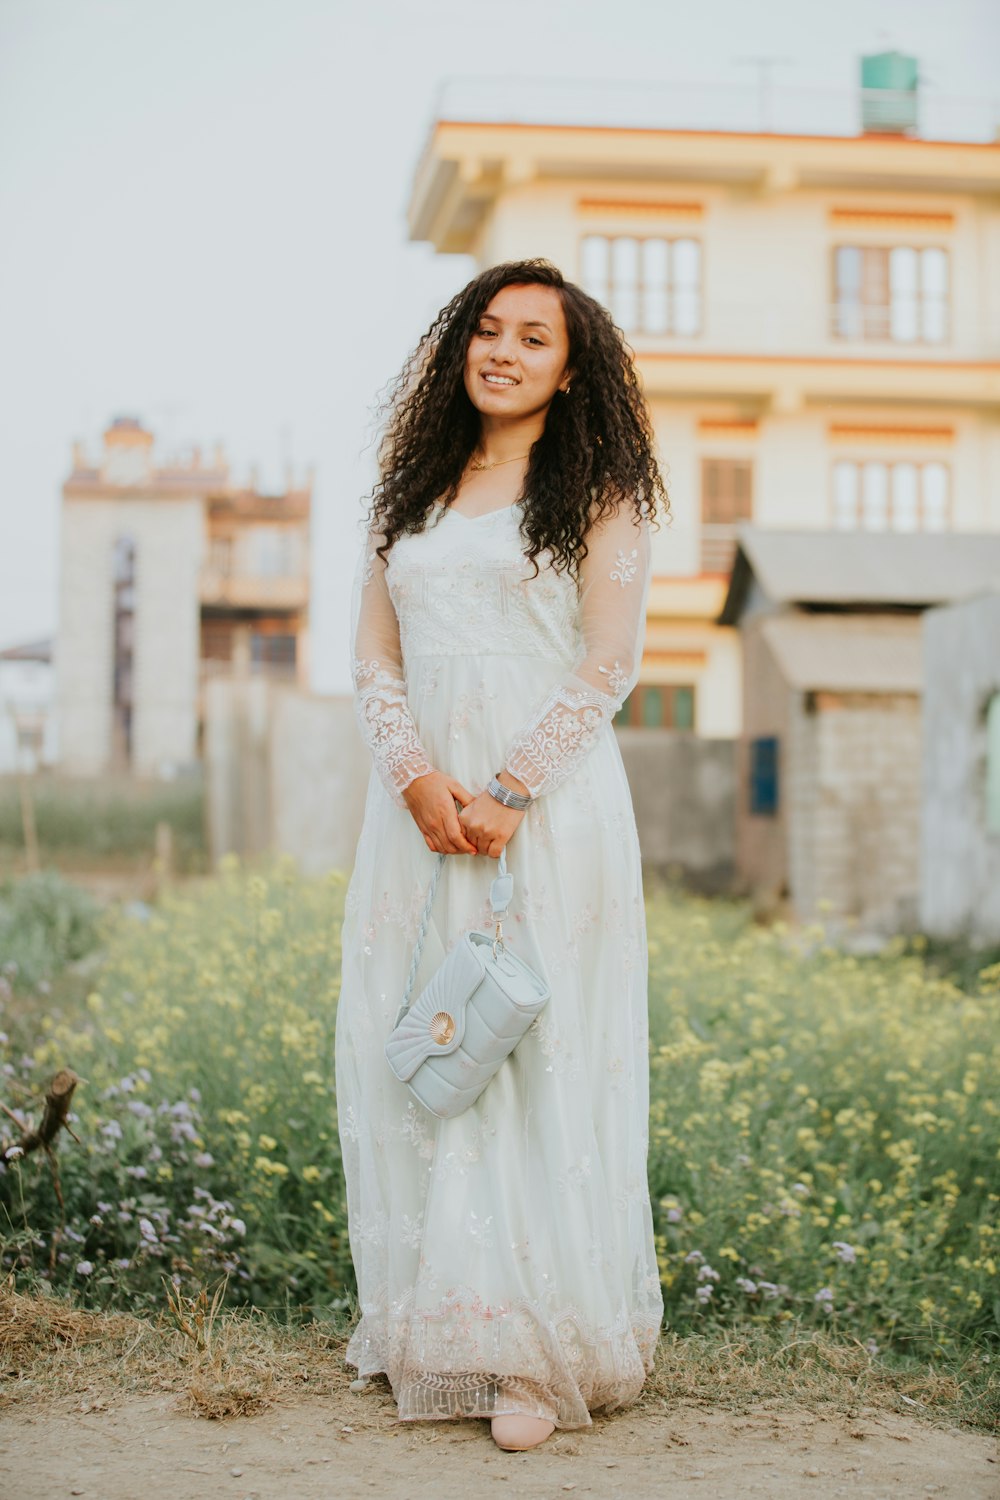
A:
(45, 923)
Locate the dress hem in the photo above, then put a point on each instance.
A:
(554, 1394)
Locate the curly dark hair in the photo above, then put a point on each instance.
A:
(596, 448)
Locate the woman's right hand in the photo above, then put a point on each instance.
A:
(431, 802)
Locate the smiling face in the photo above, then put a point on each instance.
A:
(518, 354)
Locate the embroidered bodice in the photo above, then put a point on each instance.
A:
(463, 587)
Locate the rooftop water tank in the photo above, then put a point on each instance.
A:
(889, 93)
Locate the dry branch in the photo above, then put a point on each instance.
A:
(58, 1098)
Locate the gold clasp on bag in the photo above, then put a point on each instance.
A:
(498, 946)
(442, 1028)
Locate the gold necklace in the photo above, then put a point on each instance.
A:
(479, 465)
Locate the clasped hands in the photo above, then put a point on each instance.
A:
(452, 821)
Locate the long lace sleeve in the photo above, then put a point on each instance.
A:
(614, 587)
(387, 726)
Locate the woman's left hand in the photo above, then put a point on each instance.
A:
(488, 824)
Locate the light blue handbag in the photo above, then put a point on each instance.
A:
(481, 1000)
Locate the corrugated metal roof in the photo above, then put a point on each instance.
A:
(848, 653)
(861, 567)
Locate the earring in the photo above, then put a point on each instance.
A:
(565, 390)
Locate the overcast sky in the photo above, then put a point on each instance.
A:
(202, 215)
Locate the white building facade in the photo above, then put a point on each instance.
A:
(127, 643)
(816, 322)
(168, 575)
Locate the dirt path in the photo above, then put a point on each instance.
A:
(305, 1448)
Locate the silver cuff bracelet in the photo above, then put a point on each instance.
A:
(500, 793)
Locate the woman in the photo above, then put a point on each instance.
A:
(505, 1257)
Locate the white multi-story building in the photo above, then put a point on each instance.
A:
(169, 573)
(816, 321)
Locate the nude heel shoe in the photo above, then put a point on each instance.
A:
(518, 1431)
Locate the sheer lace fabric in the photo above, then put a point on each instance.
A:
(614, 580)
(505, 1258)
(379, 685)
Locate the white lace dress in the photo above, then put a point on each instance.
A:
(504, 1258)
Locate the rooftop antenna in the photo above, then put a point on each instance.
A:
(764, 64)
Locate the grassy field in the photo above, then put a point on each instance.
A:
(823, 1141)
(109, 824)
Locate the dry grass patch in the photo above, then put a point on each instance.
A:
(48, 1349)
(245, 1362)
(812, 1370)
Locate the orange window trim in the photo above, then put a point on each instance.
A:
(845, 432)
(889, 218)
(640, 209)
(720, 427)
(674, 658)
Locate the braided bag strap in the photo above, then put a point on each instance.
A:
(421, 935)
(501, 894)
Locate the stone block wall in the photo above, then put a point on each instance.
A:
(860, 849)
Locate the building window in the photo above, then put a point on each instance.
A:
(272, 651)
(653, 705)
(879, 495)
(726, 497)
(764, 775)
(993, 764)
(650, 285)
(897, 292)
